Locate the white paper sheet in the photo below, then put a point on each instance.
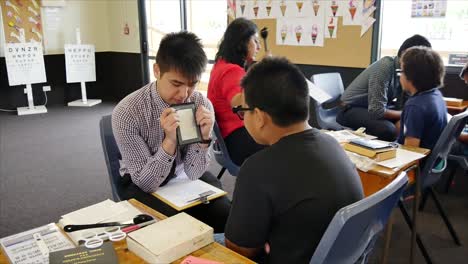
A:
(366, 25)
(352, 12)
(317, 94)
(180, 191)
(121, 212)
(22, 248)
(300, 31)
(402, 158)
(343, 136)
(80, 63)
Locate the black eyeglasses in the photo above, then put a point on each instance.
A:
(240, 111)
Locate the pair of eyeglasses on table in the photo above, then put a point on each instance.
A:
(240, 111)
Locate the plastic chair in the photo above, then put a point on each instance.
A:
(431, 174)
(462, 161)
(221, 154)
(331, 84)
(351, 234)
(111, 154)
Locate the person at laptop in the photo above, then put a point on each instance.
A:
(144, 127)
(424, 116)
(286, 195)
(369, 100)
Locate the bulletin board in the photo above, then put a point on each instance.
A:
(344, 46)
(21, 14)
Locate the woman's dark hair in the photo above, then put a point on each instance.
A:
(423, 67)
(234, 44)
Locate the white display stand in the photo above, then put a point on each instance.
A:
(84, 102)
(25, 65)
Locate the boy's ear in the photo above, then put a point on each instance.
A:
(261, 118)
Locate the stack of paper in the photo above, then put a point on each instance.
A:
(106, 211)
(23, 249)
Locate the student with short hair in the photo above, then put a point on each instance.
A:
(286, 194)
(145, 124)
(464, 73)
(369, 100)
(237, 51)
(424, 116)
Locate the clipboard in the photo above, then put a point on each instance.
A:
(182, 193)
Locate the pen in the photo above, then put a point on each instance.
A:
(131, 228)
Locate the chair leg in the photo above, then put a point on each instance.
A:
(220, 174)
(444, 217)
(451, 176)
(424, 200)
(418, 238)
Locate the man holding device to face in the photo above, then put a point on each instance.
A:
(146, 125)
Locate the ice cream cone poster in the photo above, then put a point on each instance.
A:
(314, 33)
(241, 8)
(352, 12)
(268, 7)
(255, 8)
(298, 30)
(332, 26)
(316, 7)
(352, 8)
(284, 33)
(334, 7)
(299, 5)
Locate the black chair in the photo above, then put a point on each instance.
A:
(331, 84)
(221, 154)
(111, 154)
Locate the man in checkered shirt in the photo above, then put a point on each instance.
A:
(369, 100)
(144, 127)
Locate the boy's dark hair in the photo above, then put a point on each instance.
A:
(276, 86)
(423, 67)
(416, 40)
(183, 52)
(234, 44)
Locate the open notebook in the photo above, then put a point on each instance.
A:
(182, 193)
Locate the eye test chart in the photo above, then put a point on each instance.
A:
(25, 66)
(81, 68)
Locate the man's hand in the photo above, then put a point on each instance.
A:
(205, 119)
(169, 122)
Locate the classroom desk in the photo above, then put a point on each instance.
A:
(453, 110)
(213, 251)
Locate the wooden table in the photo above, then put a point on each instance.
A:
(453, 110)
(213, 251)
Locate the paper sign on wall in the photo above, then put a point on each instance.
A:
(80, 63)
(25, 63)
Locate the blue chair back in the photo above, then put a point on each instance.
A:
(221, 153)
(331, 84)
(111, 154)
(438, 158)
(351, 234)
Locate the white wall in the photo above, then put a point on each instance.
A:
(101, 23)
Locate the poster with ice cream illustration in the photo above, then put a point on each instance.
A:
(332, 27)
(332, 8)
(299, 32)
(244, 9)
(352, 12)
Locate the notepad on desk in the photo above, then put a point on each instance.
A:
(182, 193)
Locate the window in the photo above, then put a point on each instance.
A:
(448, 35)
(163, 16)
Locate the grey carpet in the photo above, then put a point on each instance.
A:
(52, 164)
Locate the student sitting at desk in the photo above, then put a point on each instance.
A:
(144, 127)
(286, 194)
(236, 51)
(369, 100)
(461, 146)
(424, 116)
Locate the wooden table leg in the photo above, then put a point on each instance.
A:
(388, 238)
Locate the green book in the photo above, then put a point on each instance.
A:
(103, 255)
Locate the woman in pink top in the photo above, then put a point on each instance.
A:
(237, 50)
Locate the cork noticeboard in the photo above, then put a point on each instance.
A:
(20, 15)
(347, 50)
